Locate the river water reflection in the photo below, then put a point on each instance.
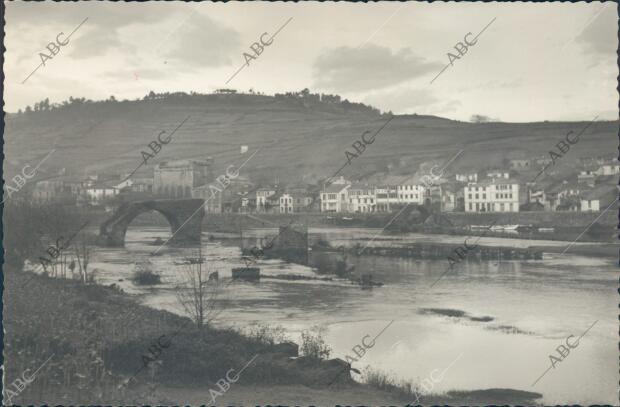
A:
(530, 307)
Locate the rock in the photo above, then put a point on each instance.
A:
(287, 348)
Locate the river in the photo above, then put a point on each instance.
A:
(530, 308)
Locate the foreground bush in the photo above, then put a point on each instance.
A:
(144, 274)
(313, 345)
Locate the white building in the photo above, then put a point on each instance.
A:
(413, 194)
(491, 196)
(100, 193)
(467, 177)
(261, 197)
(519, 164)
(286, 203)
(498, 174)
(334, 198)
(609, 169)
(386, 197)
(589, 204)
(362, 199)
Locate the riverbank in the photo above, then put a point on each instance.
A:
(560, 226)
(96, 339)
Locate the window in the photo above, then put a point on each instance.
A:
(476, 195)
(484, 196)
(501, 207)
(470, 206)
(469, 196)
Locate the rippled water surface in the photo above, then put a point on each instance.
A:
(493, 323)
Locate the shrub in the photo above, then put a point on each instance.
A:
(144, 275)
(313, 345)
(266, 334)
(383, 381)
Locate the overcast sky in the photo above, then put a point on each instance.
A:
(536, 61)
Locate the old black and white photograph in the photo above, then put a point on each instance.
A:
(389, 203)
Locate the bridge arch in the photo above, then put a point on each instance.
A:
(184, 216)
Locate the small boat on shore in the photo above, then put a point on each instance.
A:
(504, 227)
(246, 273)
(190, 260)
(366, 282)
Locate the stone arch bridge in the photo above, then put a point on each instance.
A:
(184, 216)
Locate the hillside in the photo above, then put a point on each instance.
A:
(298, 140)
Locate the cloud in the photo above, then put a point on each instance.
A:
(346, 69)
(93, 43)
(201, 41)
(411, 100)
(100, 33)
(137, 74)
(105, 16)
(599, 38)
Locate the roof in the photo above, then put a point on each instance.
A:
(335, 188)
(604, 193)
(275, 197)
(562, 186)
(298, 194)
(494, 181)
(104, 184)
(451, 187)
(358, 186)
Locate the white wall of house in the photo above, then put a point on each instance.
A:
(413, 194)
(335, 200)
(261, 199)
(386, 197)
(97, 194)
(362, 200)
(590, 205)
(494, 197)
(609, 169)
(467, 177)
(286, 203)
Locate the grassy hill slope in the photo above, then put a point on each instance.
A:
(297, 140)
